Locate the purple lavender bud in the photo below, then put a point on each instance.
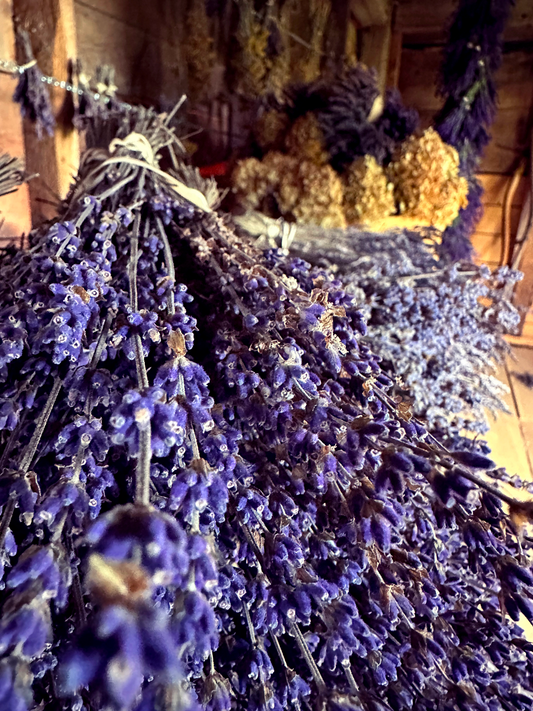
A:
(474, 459)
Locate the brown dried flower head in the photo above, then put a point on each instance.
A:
(306, 141)
(427, 184)
(368, 195)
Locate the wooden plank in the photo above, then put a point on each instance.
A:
(505, 437)
(509, 136)
(50, 24)
(495, 185)
(14, 208)
(527, 433)
(370, 12)
(523, 293)
(395, 59)
(487, 247)
(375, 50)
(147, 60)
(491, 220)
(520, 363)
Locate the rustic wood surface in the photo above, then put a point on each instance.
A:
(51, 27)
(14, 208)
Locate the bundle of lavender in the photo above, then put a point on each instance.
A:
(209, 500)
(437, 327)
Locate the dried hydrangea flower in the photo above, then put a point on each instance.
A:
(427, 184)
(368, 194)
(270, 130)
(306, 141)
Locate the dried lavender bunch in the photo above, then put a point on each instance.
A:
(437, 327)
(32, 93)
(11, 174)
(208, 497)
(471, 59)
(354, 118)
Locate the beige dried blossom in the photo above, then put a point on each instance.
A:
(248, 181)
(368, 195)
(312, 194)
(306, 140)
(427, 184)
(270, 130)
(305, 193)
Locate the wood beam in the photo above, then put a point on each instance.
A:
(14, 208)
(51, 27)
(395, 58)
(370, 12)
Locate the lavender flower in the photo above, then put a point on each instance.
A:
(31, 92)
(240, 515)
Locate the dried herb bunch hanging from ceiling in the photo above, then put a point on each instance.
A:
(472, 56)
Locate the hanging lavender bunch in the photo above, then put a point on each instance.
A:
(32, 93)
(209, 499)
(472, 57)
(437, 328)
(354, 118)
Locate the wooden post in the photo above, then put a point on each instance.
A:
(51, 27)
(375, 50)
(375, 19)
(14, 208)
(395, 56)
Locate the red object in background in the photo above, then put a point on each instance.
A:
(210, 171)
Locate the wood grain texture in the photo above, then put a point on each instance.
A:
(50, 24)
(370, 12)
(14, 208)
(140, 40)
(521, 363)
(495, 185)
(523, 293)
(505, 436)
(422, 21)
(375, 50)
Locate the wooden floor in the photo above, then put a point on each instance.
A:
(511, 435)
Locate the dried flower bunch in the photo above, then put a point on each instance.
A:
(198, 48)
(32, 93)
(302, 190)
(368, 194)
(306, 141)
(329, 125)
(472, 56)
(210, 500)
(270, 130)
(437, 328)
(11, 174)
(347, 115)
(427, 184)
(262, 64)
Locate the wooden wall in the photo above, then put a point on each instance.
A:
(14, 208)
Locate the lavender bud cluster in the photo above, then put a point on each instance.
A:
(209, 496)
